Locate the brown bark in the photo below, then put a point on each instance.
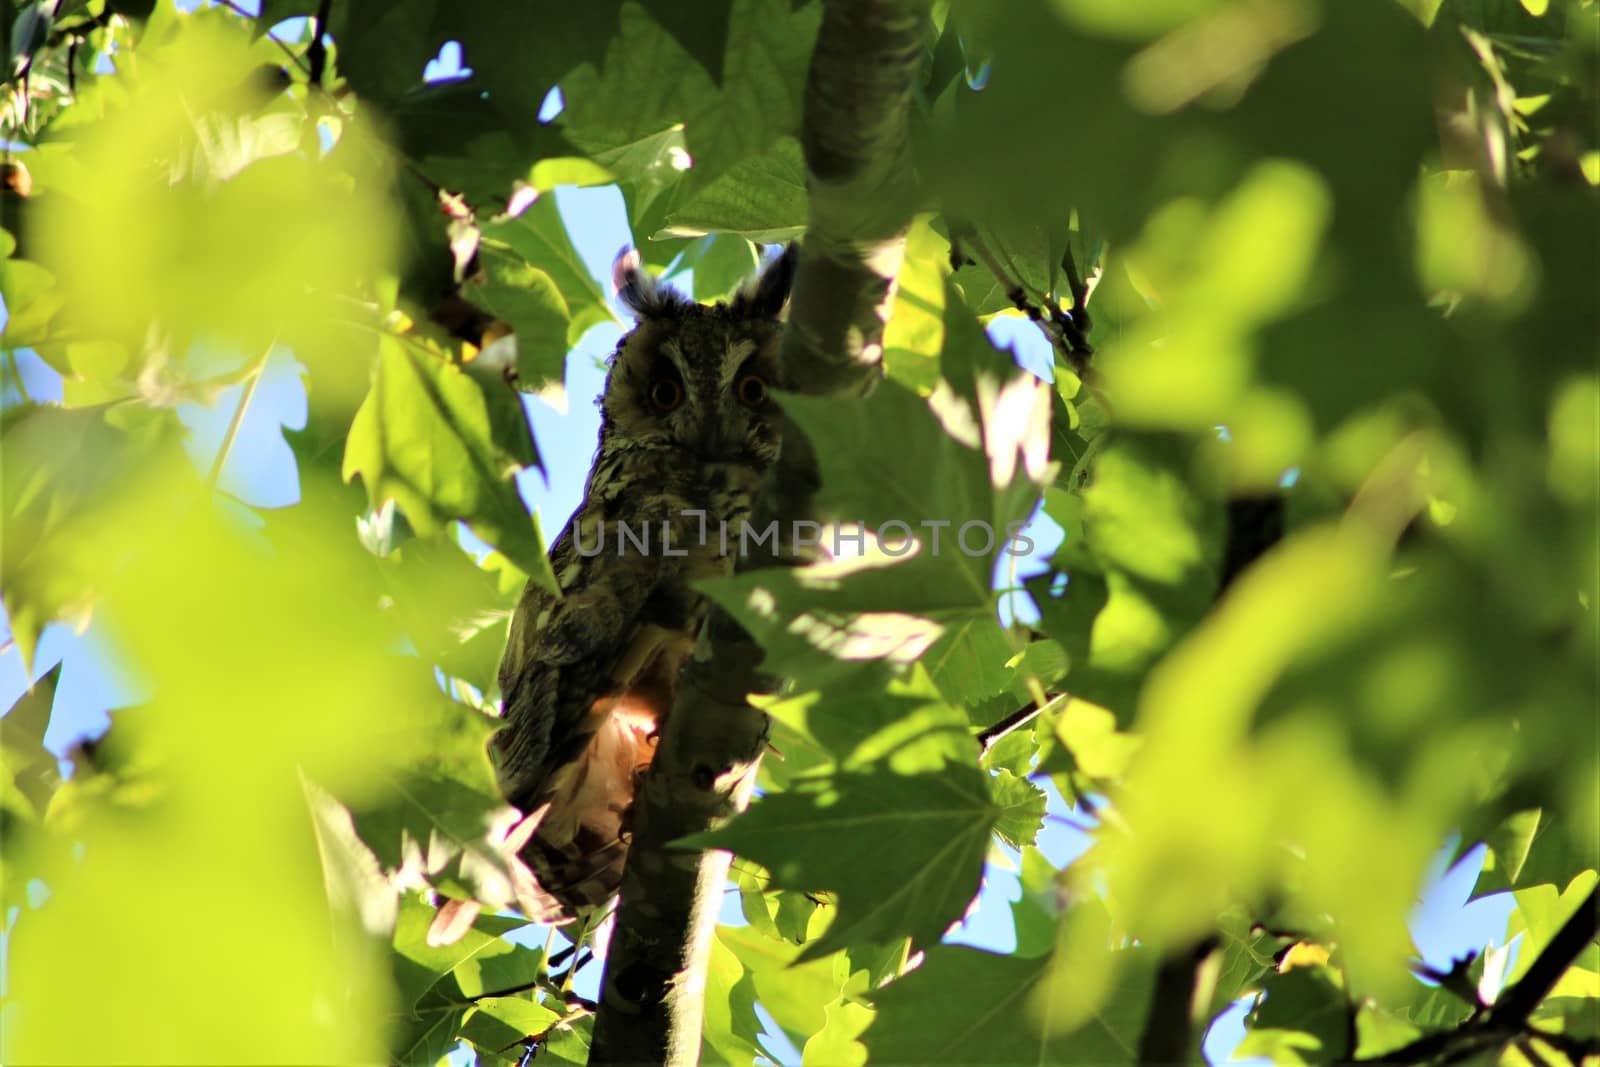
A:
(855, 132)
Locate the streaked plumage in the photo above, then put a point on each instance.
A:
(686, 426)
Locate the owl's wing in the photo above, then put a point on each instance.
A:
(559, 658)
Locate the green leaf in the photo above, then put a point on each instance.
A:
(731, 1032)
(420, 967)
(539, 236)
(913, 336)
(441, 819)
(1082, 739)
(60, 470)
(888, 459)
(528, 301)
(454, 611)
(1144, 572)
(499, 1026)
(1528, 848)
(838, 1043)
(1044, 661)
(761, 198)
(24, 726)
(968, 663)
(515, 60)
(1304, 1018)
(648, 84)
(29, 776)
(459, 138)
(569, 1042)
(869, 719)
(1022, 807)
(903, 853)
(1246, 957)
(702, 29)
(723, 264)
(769, 50)
(31, 302)
(796, 993)
(1036, 915)
(426, 437)
(966, 1006)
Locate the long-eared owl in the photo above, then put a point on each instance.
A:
(688, 431)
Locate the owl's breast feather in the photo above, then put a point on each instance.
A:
(579, 848)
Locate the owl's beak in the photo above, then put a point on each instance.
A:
(717, 445)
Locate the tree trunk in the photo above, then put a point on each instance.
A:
(854, 131)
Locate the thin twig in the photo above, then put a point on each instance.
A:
(317, 54)
(990, 735)
(1508, 1019)
(228, 438)
(1576, 1049)
(295, 57)
(1071, 824)
(1511, 1011)
(1062, 328)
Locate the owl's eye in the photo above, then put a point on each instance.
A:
(751, 390)
(665, 394)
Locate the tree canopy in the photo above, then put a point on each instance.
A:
(1320, 434)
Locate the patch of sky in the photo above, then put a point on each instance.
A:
(264, 474)
(92, 681)
(1033, 353)
(774, 1040)
(27, 377)
(554, 103)
(448, 64)
(990, 924)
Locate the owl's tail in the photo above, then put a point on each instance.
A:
(573, 880)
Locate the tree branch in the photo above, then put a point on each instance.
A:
(1508, 1019)
(855, 136)
(1168, 1035)
(1067, 331)
(317, 54)
(854, 132)
(990, 735)
(1255, 524)
(1511, 1011)
(651, 997)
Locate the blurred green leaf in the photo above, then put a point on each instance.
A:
(61, 470)
(29, 767)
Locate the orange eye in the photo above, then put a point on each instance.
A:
(666, 394)
(751, 391)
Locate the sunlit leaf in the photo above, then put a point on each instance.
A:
(903, 853)
(964, 1005)
(425, 437)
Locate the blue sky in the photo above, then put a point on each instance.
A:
(260, 470)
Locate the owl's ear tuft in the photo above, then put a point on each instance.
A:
(639, 290)
(764, 295)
